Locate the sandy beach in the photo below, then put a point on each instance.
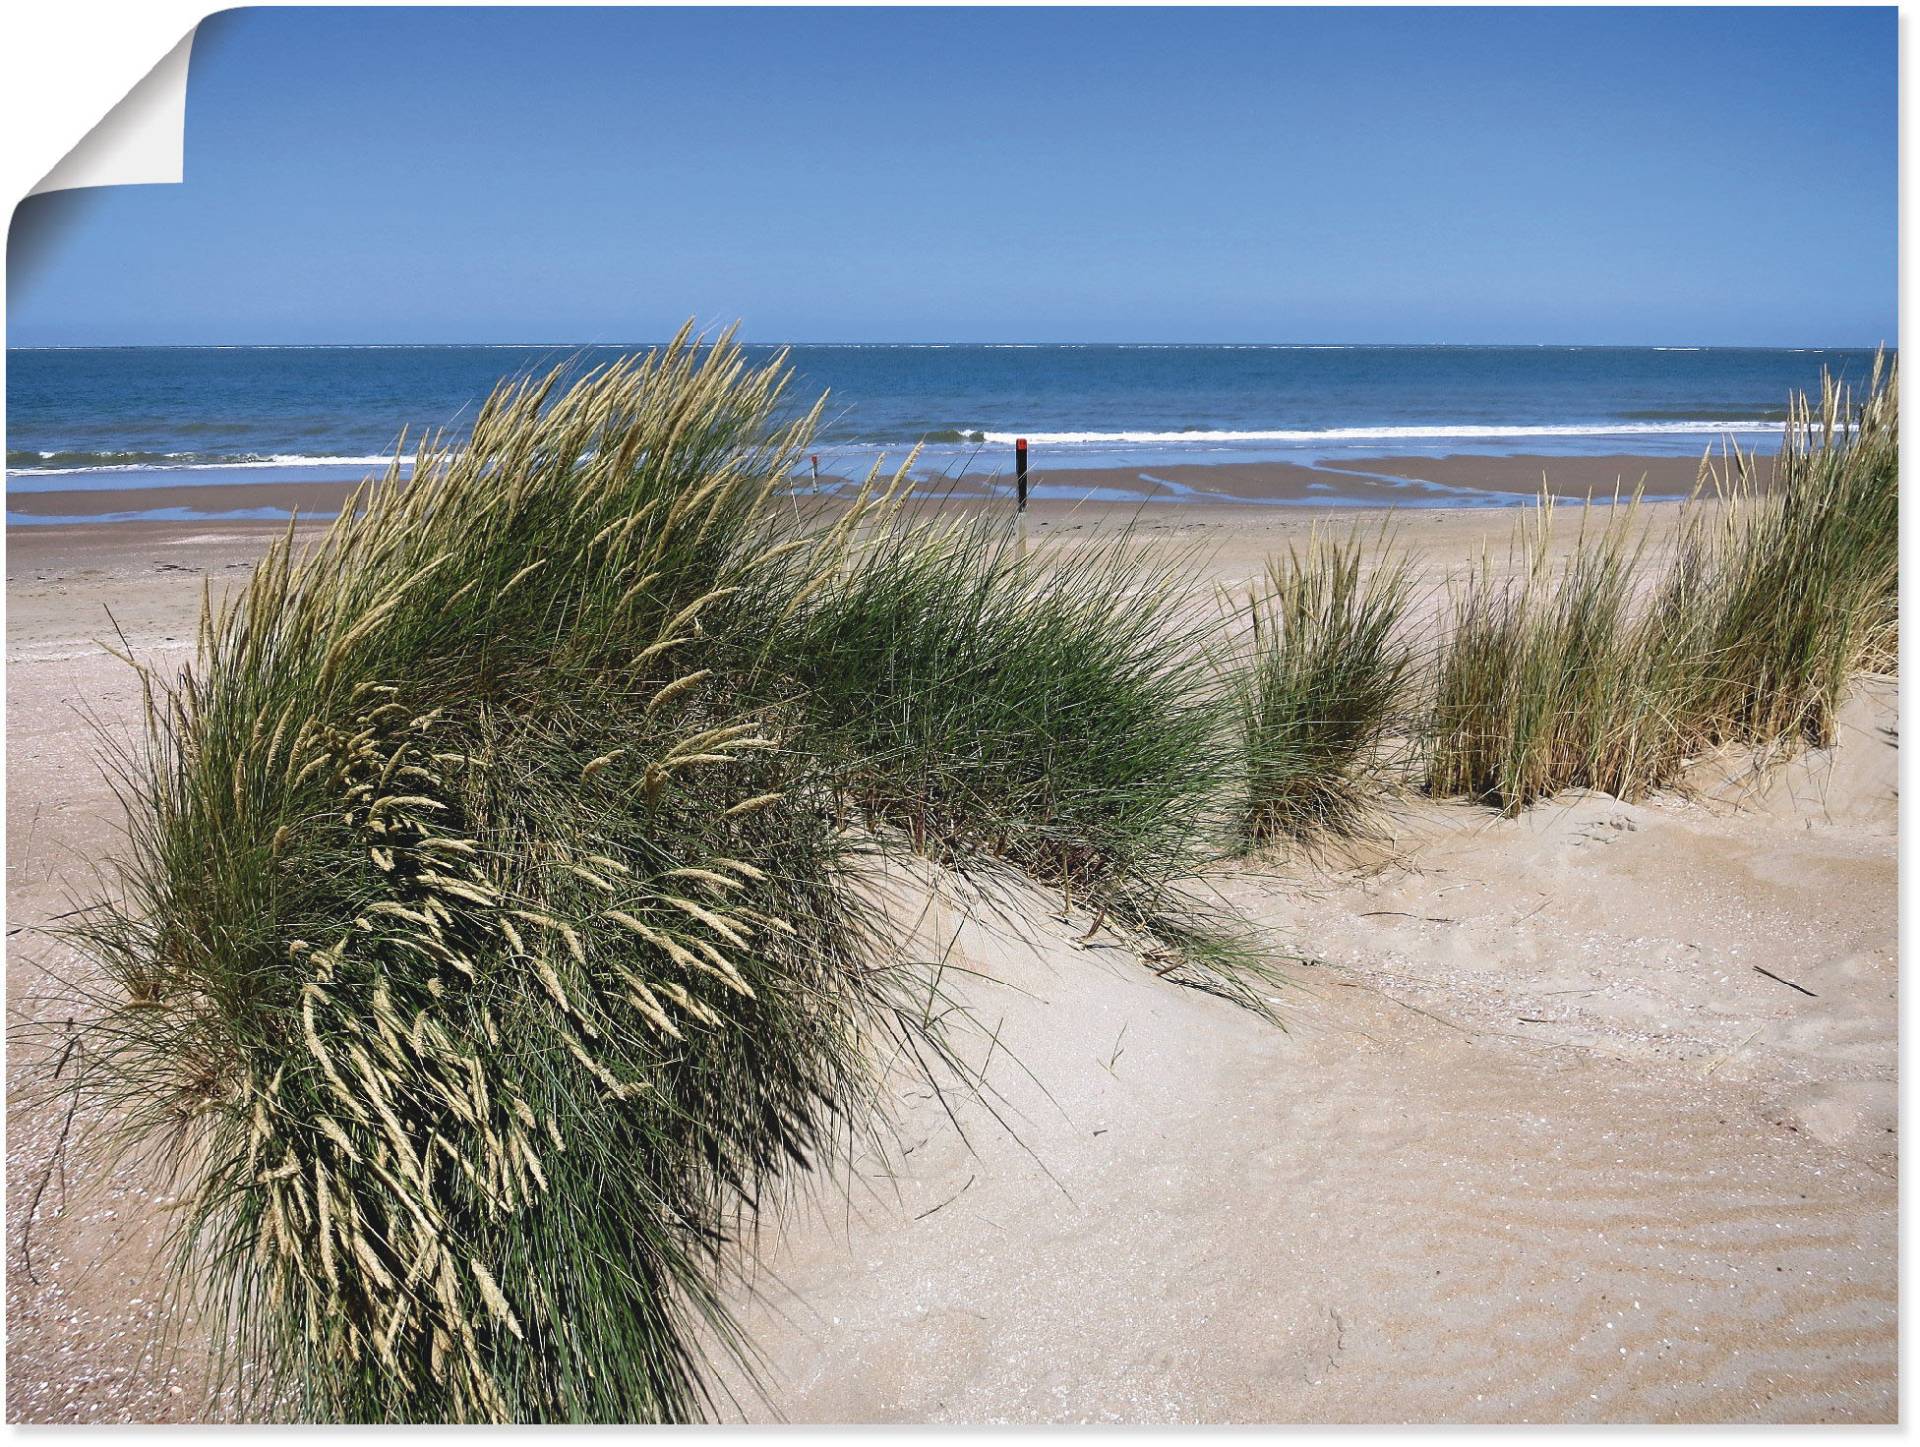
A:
(1583, 1116)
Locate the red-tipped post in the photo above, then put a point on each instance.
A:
(1020, 470)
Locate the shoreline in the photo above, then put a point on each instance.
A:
(1450, 482)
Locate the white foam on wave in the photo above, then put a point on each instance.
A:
(277, 460)
(1386, 434)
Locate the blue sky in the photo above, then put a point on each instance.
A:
(1719, 176)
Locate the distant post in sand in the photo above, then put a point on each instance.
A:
(1020, 484)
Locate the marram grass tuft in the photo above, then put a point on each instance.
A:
(1328, 680)
(1539, 685)
(1048, 710)
(492, 942)
(1612, 672)
(481, 957)
(1804, 571)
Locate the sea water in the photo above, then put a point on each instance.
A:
(138, 417)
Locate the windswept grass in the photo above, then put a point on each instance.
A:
(481, 956)
(1330, 669)
(1806, 572)
(489, 943)
(1054, 712)
(1049, 710)
(1539, 684)
(1597, 674)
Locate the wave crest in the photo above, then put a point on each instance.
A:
(42, 464)
(1415, 432)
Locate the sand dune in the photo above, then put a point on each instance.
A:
(1538, 1141)
(1571, 1172)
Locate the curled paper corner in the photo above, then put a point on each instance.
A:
(142, 141)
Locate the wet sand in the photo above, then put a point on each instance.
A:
(309, 499)
(1386, 482)
(1564, 477)
(1404, 482)
(1539, 1142)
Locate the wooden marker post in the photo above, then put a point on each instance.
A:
(1020, 485)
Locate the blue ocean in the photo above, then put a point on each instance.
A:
(136, 417)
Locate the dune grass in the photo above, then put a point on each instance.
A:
(1051, 711)
(481, 957)
(488, 947)
(1806, 571)
(1321, 694)
(1539, 681)
(1610, 673)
